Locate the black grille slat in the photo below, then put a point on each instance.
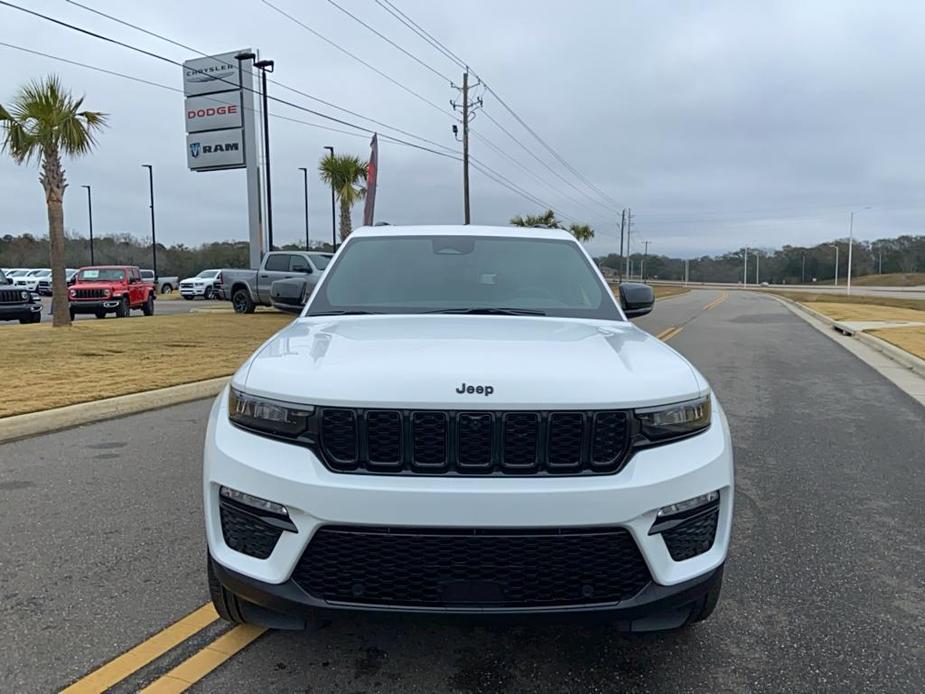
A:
(520, 441)
(89, 293)
(245, 533)
(11, 296)
(384, 438)
(479, 442)
(430, 438)
(565, 433)
(692, 537)
(339, 437)
(477, 568)
(474, 441)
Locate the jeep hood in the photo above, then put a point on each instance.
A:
(421, 361)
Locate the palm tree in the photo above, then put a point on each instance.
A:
(582, 232)
(43, 122)
(344, 173)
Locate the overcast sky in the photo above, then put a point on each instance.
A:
(721, 124)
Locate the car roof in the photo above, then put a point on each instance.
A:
(463, 230)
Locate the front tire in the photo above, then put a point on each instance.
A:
(123, 311)
(207, 294)
(242, 302)
(148, 306)
(226, 603)
(100, 314)
(166, 289)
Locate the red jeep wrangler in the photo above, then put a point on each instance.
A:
(110, 289)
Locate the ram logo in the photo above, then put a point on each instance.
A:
(194, 149)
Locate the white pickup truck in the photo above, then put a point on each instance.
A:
(464, 421)
(247, 289)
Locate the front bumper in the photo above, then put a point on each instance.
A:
(89, 306)
(314, 497)
(193, 290)
(14, 311)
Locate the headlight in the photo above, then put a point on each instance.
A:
(73, 293)
(25, 295)
(107, 292)
(268, 416)
(676, 420)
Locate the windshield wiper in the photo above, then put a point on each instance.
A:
(343, 313)
(491, 311)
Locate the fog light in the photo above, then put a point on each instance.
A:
(253, 501)
(687, 505)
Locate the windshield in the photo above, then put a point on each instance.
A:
(101, 275)
(320, 261)
(428, 274)
(16, 273)
(208, 274)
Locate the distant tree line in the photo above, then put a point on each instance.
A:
(900, 254)
(124, 249)
(788, 265)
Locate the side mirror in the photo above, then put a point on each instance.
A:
(636, 299)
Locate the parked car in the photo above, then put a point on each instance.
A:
(44, 286)
(465, 420)
(163, 285)
(17, 303)
(115, 289)
(247, 289)
(29, 280)
(202, 285)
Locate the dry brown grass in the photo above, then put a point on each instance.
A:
(910, 339)
(894, 279)
(45, 367)
(864, 312)
(813, 298)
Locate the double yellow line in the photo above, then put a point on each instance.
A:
(669, 333)
(184, 675)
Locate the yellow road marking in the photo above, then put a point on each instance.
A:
(146, 652)
(661, 335)
(668, 334)
(197, 666)
(717, 301)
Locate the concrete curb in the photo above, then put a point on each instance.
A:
(900, 356)
(34, 423)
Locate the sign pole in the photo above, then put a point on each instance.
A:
(254, 217)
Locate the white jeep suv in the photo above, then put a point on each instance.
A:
(463, 420)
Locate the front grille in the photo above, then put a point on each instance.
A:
(246, 533)
(451, 442)
(692, 537)
(429, 567)
(11, 296)
(89, 293)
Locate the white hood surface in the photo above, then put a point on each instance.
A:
(408, 361)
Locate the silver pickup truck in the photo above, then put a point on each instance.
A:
(247, 289)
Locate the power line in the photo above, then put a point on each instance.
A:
(391, 42)
(355, 57)
(419, 30)
(272, 81)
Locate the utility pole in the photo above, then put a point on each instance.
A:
(468, 109)
(645, 254)
(622, 224)
(305, 186)
(333, 222)
(90, 214)
(150, 169)
(629, 229)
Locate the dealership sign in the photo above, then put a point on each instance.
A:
(214, 73)
(213, 112)
(216, 149)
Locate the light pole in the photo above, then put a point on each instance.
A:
(90, 214)
(745, 268)
(851, 243)
(757, 269)
(803, 271)
(835, 246)
(305, 181)
(266, 66)
(153, 233)
(333, 222)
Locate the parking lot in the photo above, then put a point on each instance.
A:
(823, 592)
(161, 307)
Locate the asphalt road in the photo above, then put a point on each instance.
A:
(162, 307)
(824, 591)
